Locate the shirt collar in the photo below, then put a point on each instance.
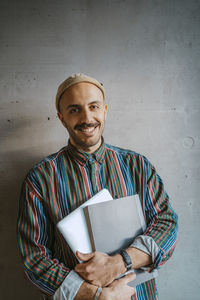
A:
(83, 157)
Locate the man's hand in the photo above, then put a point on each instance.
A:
(119, 289)
(98, 268)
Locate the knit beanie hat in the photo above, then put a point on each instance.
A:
(73, 79)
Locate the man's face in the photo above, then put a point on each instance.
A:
(83, 112)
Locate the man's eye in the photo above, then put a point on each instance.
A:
(94, 106)
(74, 110)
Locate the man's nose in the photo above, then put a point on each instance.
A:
(86, 116)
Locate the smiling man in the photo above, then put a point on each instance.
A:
(82, 111)
(63, 181)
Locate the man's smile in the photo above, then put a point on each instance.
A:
(87, 129)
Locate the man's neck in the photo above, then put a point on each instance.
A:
(88, 150)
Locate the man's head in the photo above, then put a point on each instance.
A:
(80, 102)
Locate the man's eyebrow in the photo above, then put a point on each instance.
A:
(78, 105)
(94, 101)
(72, 106)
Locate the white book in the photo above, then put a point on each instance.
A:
(74, 227)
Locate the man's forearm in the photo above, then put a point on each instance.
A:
(86, 292)
(139, 258)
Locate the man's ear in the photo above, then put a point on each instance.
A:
(60, 116)
(106, 109)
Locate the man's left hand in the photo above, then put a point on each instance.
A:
(98, 268)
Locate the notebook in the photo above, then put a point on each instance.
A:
(113, 225)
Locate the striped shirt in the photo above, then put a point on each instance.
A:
(61, 183)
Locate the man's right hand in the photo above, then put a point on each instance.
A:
(119, 289)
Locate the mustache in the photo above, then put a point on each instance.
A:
(86, 125)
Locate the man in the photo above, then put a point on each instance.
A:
(63, 181)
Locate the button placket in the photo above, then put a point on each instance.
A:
(92, 168)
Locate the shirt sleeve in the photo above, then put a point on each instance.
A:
(146, 244)
(160, 236)
(35, 239)
(69, 287)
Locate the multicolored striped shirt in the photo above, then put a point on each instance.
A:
(61, 183)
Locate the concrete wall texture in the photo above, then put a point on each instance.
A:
(147, 54)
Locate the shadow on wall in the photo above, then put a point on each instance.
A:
(14, 164)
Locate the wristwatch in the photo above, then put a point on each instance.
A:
(127, 259)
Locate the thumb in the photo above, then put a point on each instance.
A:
(84, 256)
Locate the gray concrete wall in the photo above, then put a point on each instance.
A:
(147, 55)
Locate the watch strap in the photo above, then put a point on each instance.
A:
(127, 259)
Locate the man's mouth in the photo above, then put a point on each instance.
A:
(87, 128)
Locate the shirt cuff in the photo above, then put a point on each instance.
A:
(147, 245)
(69, 287)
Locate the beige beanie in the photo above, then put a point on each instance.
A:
(73, 79)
